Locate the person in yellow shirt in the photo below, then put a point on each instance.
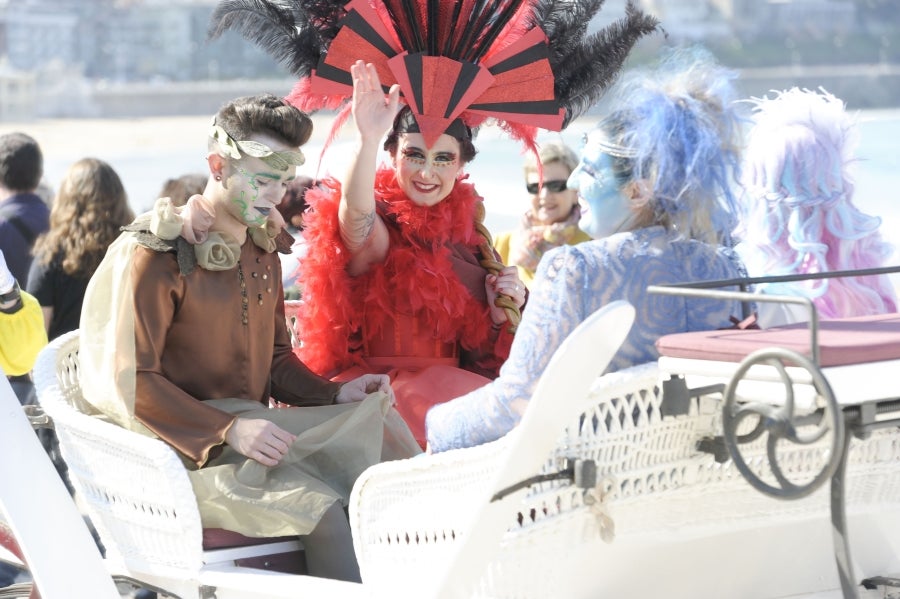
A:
(22, 333)
(552, 219)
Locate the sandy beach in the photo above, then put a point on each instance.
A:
(147, 151)
(144, 151)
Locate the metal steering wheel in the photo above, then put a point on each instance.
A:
(779, 422)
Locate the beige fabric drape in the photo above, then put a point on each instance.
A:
(334, 445)
(106, 345)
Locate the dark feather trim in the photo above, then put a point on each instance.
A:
(496, 25)
(295, 34)
(590, 67)
(565, 24)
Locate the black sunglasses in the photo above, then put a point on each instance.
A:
(554, 186)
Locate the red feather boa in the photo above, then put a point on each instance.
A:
(416, 277)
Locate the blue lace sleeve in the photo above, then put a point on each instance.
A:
(554, 309)
(572, 282)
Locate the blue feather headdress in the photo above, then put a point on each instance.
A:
(677, 127)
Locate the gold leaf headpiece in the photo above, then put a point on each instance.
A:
(279, 160)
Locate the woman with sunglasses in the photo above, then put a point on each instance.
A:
(552, 219)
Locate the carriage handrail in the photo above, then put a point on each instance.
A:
(743, 282)
(747, 296)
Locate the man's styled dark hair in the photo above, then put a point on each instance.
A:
(265, 113)
(21, 162)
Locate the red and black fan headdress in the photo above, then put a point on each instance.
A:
(525, 63)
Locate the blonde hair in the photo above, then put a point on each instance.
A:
(490, 263)
(549, 153)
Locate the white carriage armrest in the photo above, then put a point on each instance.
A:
(452, 517)
(413, 510)
(36, 504)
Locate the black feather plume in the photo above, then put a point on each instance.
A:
(296, 34)
(565, 24)
(584, 67)
(495, 24)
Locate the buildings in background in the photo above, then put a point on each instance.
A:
(63, 57)
(125, 41)
(90, 57)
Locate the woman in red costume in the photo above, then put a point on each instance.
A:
(400, 276)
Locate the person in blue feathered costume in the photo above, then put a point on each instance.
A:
(657, 174)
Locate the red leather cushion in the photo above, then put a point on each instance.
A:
(842, 341)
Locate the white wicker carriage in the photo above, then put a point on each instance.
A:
(139, 498)
(666, 520)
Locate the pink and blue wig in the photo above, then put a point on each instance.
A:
(798, 213)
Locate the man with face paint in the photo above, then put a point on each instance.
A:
(194, 347)
(656, 176)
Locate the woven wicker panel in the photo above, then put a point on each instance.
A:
(134, 488)
(407, 515)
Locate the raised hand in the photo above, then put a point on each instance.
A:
(373, 112)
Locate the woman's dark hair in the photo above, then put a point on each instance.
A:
(294, 200)
(405, 122)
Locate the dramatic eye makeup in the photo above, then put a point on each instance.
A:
(417, 157)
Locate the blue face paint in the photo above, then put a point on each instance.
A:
(608, 210)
